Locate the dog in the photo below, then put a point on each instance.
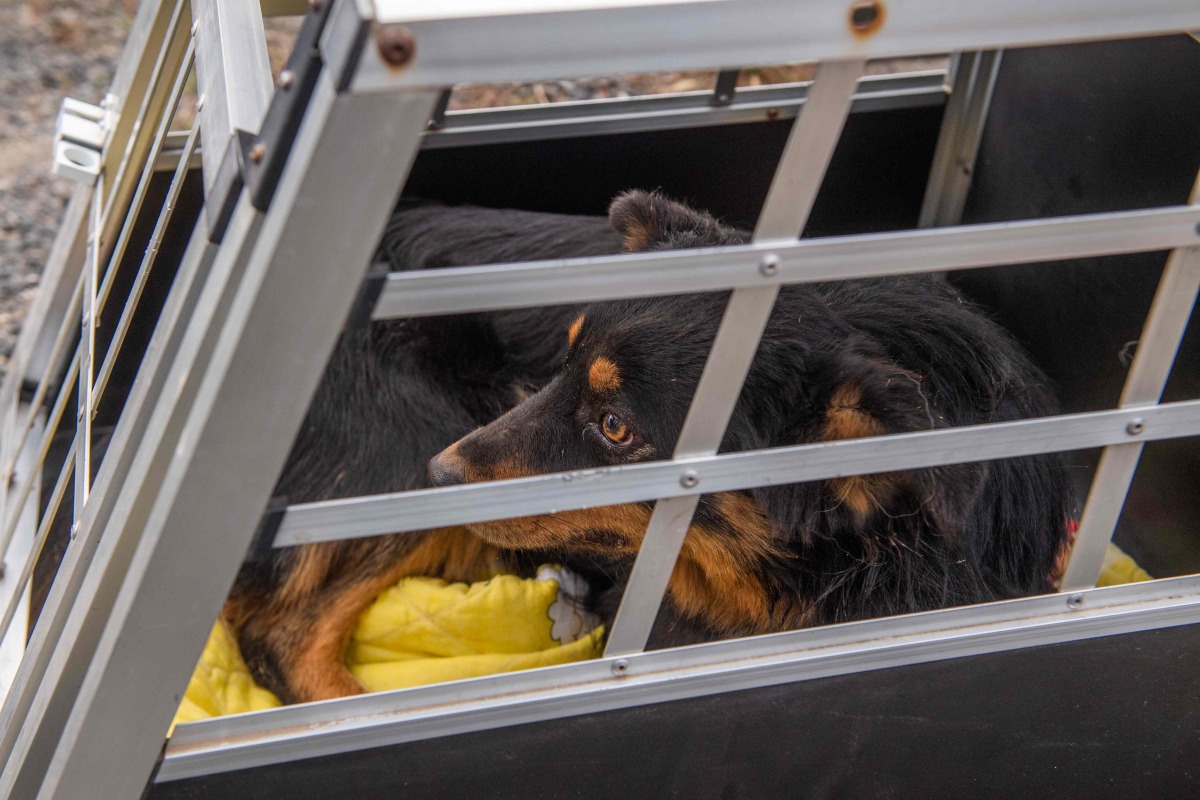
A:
(439, 401)
(837, 361)
(393, 395)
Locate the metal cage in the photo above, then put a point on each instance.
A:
(244, 243)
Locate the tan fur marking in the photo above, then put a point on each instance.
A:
(716, 577)
(570, 529)
(573, 331)
(604, 376)
(846, 419)
(309, 573)
(318, 670)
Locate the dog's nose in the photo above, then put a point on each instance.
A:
(444, 472)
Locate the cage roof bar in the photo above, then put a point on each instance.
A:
(461, 41)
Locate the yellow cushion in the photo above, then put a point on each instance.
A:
(424, 630)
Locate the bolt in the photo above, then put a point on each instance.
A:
(1135, 426)
(315, 5)
(769, 265)
(286, 79)
(689, 479)
(1075, 602)
(396, 45)
(257, 152)
(620, 666)
(864, 16)
(772, 113)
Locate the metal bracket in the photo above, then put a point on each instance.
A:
(262, 157)
(79, 134)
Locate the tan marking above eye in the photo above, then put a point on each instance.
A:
(615, 429)
(573, 331)
(604, 376)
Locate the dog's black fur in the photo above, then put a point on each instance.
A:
(840, 360)
(837, 361)
(393, 395)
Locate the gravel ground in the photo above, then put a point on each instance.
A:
(48, 51)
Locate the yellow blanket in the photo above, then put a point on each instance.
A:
(423, 630)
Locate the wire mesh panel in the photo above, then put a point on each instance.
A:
(297, 194)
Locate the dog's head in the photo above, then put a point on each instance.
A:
(621, 398)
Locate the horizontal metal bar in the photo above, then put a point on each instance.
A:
(466, 289)
(332, 520)
(462, 41)
(308, 731)
(671, 111)
(172, 151)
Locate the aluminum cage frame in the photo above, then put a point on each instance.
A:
(220, 393)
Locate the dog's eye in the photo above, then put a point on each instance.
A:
(615, 429)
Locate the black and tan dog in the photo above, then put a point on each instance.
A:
(837, 361)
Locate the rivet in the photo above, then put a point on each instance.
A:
(689, 479)
(1075, 601)
(286, 79)
(620, 666)
(257, 152)
(769, 265)
(1135, 426)
(396, 45)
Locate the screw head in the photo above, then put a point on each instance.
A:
(396, 45)
(1075, 601)
(769, 265)
(1135, 426)
(689, 479)
(620, 666)
(286, 79)
(257, 152)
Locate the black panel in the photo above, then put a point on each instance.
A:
(1117, 717)
(1086, 128)
(875, 181)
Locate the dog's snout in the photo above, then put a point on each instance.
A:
(445, 469)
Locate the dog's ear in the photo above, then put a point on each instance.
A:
(650, 221)
(870, 396)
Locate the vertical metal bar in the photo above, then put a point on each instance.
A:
(1165, 326)
(157, 59)
(953, 165)
(147, 175)
(87, 351)
(797, 180)
(220, 443)
(56, 415)
(14, 592)
(143, 273)
(16, 438)
(26, 700)
(233, 75)
(33, 547)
